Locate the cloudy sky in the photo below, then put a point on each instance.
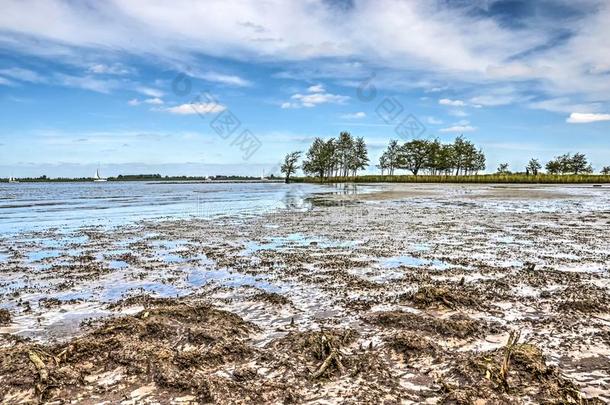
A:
(207, 87)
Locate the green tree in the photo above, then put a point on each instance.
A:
(415, 155)
(316, 162)
(361, 156)
(463, 154)
(605, 170)
(503, 169)
(345, 153)
(567, 163)
(578, 163)
(554, 166)
(289, 166)
(533, 167)
(391, 157)
(383, 163)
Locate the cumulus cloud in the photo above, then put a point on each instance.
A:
(316, 95)
(134, 102)
(453, 103)
(585, 118)
(460, 127)
(196, 108)
(154, 101)
(318, 88)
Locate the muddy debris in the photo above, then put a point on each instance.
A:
(5, 317)
(443, 297)
(271, 297)
(176, 347)
(456, 325)
(319, 352)
(411, 344)
(516, 373)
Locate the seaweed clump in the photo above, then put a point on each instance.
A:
(512, 374)
(177, 348)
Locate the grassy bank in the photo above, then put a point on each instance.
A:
(482, 178)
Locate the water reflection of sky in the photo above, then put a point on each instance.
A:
(35, 206)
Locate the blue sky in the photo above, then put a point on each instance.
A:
(93, 83)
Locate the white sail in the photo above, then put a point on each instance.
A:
(98, 177)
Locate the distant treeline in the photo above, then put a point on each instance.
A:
(514, 178)
(433, 157)
(137, 177)
(341, 158)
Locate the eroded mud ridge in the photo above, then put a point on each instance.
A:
(461, 294)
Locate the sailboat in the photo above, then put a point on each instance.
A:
(98, 177)
(13, 180)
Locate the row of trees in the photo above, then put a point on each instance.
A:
(345, 156)
(568, 163)
(432, 157)
(339, 157)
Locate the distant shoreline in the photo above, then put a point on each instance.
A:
(448, 179)
(471, 179)
(150, 181)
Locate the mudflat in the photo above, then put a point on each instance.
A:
(423, 293)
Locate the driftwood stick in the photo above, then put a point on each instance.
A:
(40, 366)
(332, 356)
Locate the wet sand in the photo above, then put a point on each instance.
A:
(402, 294)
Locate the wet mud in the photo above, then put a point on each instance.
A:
(457, 295)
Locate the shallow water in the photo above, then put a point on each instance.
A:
(36, 206)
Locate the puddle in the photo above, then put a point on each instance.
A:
(117, 264)
(295, 240)
(172, 258)
(198, 278)
(412, 261)
(42, 255)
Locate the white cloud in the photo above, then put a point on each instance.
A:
(438, 44)
(458, 113)
(24, 75)
(86, 83)
(134, 102)
(196, 108)
(433, 121)
(154, 101)
(115, 69)
(354, 116)
(565, 105)
(585, 118)
(498, 96)
(461, 127)
(318, 88)
(317, 95)
(230, 80)
(453, 103)
(149, 91)
(513, 70)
